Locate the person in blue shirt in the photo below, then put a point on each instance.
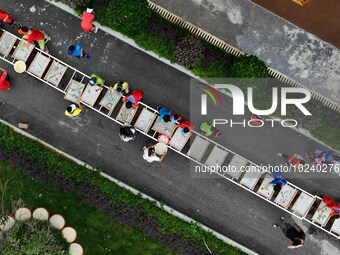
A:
(278, 182)
(175, 118)
(77, 51)
(164, 114)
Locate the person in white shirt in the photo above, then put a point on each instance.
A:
(150, 155)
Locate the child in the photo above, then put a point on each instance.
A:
(74, 110)
(32, 35)
(86, 22)
(5, 17)
(96, 79)
(77, 51)
(127, 133)
(133, 99)
(186, 126)
(4, 80)
(164, 114)
(121, 86)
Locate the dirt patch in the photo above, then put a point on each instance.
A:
(130, 216)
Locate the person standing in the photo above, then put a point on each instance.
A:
(292, 232)
(87, 19)
(150, 155)
(133, 99)
(77, 51)
(73, 109)
(32, 35)
(4, 80)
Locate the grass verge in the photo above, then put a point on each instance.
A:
(97, 232)
(63, 172)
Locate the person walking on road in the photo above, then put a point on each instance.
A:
(77, 51)
(32, 35)
(292, 232)
(74, 109)
(87, 19)
(4, 80)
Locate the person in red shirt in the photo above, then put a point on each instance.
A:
(186, 126)
(87, 19)
(133, 99)
(4, 80)
(330, 203)
(5, 17)
(32, 35)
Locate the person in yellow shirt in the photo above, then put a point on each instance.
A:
(73, 109)
(96, 79)
(121, 86)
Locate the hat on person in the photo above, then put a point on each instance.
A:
(89, 8)
(93, 81)
(23, 30)
(70, 49)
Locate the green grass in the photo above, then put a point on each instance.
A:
(98, 233)
(328, 135)
(168, 224)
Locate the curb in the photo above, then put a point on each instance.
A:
(166, 208)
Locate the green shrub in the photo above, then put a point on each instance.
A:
(249, 67)
(213, 70)
(126, 16)
(31, 238)
(160, 45)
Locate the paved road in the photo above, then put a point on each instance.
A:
(93, 138)
(279, 43)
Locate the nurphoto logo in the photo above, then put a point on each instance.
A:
(239, 105)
